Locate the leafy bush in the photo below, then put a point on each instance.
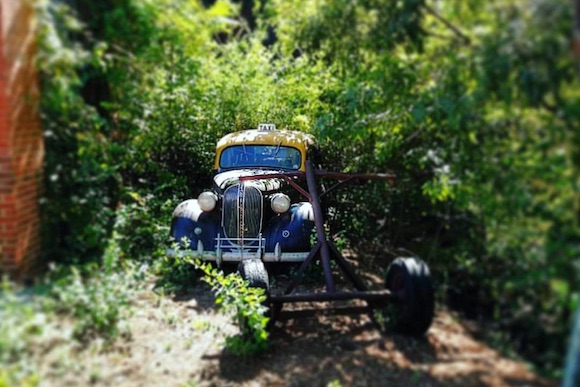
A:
(95, 305)
(97, 298)
(173, 275)
(81, 178)
(142, 226)
(236, 298)
(245, 303)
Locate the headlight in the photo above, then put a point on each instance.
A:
(280, 203)
(207, 201)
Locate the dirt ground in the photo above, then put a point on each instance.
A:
(179, 342)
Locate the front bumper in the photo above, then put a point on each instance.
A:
(236, 250)
(237, 256)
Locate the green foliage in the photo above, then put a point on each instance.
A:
(142, 225)
(96, 308)
(474, 105)
(97, 298)
(71, 307)
(20, 322)
(173, 275)
(244, 303)
(235, 295)
(81, 179)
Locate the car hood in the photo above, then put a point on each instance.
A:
(225, 179)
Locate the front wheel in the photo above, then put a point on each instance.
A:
(253, 271)
(411, 312)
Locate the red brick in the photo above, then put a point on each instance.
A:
(21, 142)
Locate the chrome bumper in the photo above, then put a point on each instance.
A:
(236, 253)
(237, 256)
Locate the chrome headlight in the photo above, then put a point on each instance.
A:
(280, 203)
(207, 201)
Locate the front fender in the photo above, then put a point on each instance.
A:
(291, 230)
(191, 222)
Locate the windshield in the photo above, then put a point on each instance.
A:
(268, 156)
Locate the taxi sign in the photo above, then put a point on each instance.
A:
(267, 127)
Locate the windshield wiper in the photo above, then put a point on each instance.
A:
(277, 149)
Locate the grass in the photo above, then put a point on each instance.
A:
(86, 308)
(72, 308)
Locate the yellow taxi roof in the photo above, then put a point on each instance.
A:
(299, 140)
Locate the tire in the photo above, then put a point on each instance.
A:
(410, 280)
(253, 271)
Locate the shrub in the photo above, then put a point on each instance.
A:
(234, 296)
(97, 298)
(244, 303)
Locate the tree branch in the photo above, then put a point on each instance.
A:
(448, 24)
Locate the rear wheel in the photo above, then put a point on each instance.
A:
(409, 279)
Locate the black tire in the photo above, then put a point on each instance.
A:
(412, 312)
(253, 271)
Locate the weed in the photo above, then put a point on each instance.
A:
(201, 325)
(72, 306)
(173, 276)
(416, 377)
(191, 383)
(172, 319)
(188, 343)
(244, 303)
(379, 317)
(97, 299)
(334, 383)
(21, 324)
(95, 376)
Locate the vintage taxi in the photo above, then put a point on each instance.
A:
(266, 218)
(264, 207)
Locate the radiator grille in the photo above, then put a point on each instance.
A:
(242, 212)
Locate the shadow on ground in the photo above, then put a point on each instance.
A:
(322, 351)
(350, 351)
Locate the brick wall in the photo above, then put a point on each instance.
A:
(21, 142)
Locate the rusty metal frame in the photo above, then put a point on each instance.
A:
(324, 250)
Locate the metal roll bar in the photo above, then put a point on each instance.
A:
(324, 250)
